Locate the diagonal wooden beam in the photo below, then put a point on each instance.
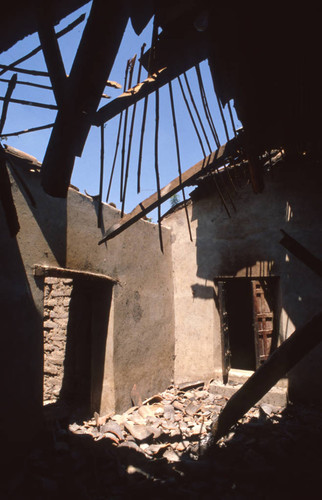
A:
(132, 96)
(215, 159)
(178, 57)
(92, 64)
(302, 253)
(71, 26)
(52, 55)
(6, 100)
(280, 362)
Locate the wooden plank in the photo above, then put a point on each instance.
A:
(63, 272)
(277, 366)
(216, 158)
(92, 65)
(52, 55)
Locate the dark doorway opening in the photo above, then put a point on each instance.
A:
(86, 340)
(249, 314)
(240, 324)
(76, 316)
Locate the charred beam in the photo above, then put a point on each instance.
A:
(92, 65)
(291, 351)
(301, 253)
(214, 159)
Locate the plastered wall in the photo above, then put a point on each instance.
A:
(247, 244)
(139, 332)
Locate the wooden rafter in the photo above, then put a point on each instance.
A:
(70, 27)
(52, 55)
(6, 100)
(215, 159)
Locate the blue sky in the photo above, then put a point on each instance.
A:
(86, 170)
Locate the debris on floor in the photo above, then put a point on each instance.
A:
(163, 448)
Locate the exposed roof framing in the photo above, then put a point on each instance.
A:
(93, 62)
(18, 19)
(265, 60)
(212, 161)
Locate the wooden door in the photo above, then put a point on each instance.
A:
(226, 354)
(263, 321)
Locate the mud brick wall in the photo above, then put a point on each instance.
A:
(57, 293)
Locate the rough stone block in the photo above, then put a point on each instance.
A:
(50, 303)
(59, 313)
(50, 370)
(49, 324)
(49, 280)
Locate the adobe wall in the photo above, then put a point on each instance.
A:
(247, 244)
(57, 292)
(140, 336)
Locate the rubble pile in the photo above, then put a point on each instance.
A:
(162, 448)
(166, 425)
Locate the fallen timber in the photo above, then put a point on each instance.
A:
(215, 159)
(290, 352)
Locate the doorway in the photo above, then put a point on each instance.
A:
(249, 321)
(76, 316)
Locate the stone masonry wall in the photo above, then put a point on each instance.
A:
(57, 293)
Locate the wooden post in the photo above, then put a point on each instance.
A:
(277, 366)
(84, 87)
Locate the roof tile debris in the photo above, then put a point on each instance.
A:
(162, 449)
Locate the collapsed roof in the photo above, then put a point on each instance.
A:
(265, 59)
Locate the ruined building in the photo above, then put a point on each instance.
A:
(85, 323)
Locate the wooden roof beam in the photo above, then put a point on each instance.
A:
(180, 56)
(215, 159)
(52, 55)
(91, 68)
(132, 96)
